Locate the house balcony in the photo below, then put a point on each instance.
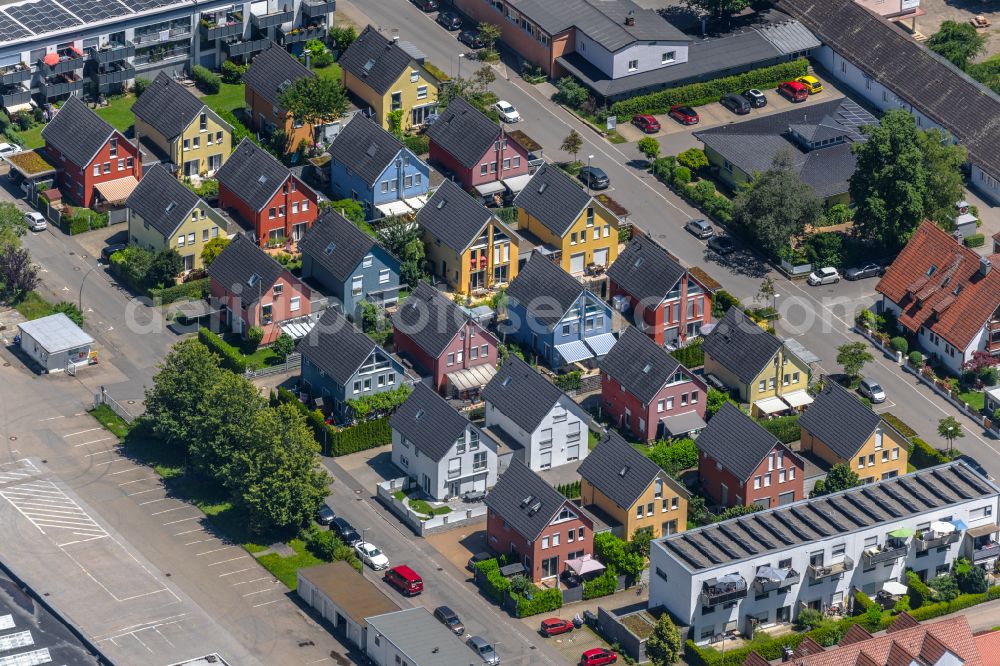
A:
(162, 36)
(821, 571)
(303, 34)
(13, 95)
(62, 84)
(114, 77)
(931, 540)
(243, 48)
(70, 60)
(317, 8)
(892, 550)
(220, 26)
(985, 552)
(15, 74)
(112, 53)
(723, 590)
(265, 21)
(775, 579)
(162, 54)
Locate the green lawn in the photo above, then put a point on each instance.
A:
(976, 399)
(592, 439)
(263, 357)
(111, 421)
(32, 137)
(118, 112)
(420, 506)
(229, 98)
(331, 72)
(285, 568)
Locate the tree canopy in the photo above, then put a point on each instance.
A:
(175, 402)
(719, 8)
(958, 42)
(840, 477)
(313, 99)
(664, 646)
(12, 224)
(852, 356)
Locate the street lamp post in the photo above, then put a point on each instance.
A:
(364, 530)
(79, 301)
(950, 439)
(589, 157)
(460, 56)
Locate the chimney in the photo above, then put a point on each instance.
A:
(630, 17)
(985, 266)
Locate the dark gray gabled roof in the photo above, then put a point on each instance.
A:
(336, 244)
(737, 441)
(252, 174)
(453, 217)
(162, 201)
(244, 268)
(553, 198)
(646, 270)
(545, 290)
(365, 148)
(619, 471)
(741, 346)
(464, 132)
(640, 365)
(167, 106)
(521, 394)
(77, 132)
(336, 347)
(429, 318)
(374, 60)
(272, 71)
(525, 501)
(841, 421)
(428, 422)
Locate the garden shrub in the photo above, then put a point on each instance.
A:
(494, 585)
(784, 428)
(361, 437)
(141, 83)
(663, 168)
(693, 158)
(916, 358)
(543, 601)
(571, 93)
(206, 81)
(419, 144)
(975, 240)
(682, 176)
(254, 336)
(900, 345)
(917, 590)
(601, 586)
(924, 455)
(193, 290)
(233, 73)
(571, 381)
(862, 602)
(229, 356)
(691, 355)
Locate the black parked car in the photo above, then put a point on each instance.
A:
(426, 5)
(345, 531)
(471, 39)
(862, 272)
(110, 250)
(594, 178)
(735, 103)
(450, 20)
(325, 515)
(721, 244)
(755, 97)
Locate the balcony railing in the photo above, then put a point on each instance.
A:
(821, 571)
(985, 552)
(314, 8)
(766, 584)
(112, 53)
(15, 74)
(162, 36)
(931, 540)
(716, 591)
(111, 79)
(227, 26)
(57, 86)
(14, 95)
(304, 34)
(886, 553)
(247, 47)
(156, 55)
(70, 60)
(264, 21)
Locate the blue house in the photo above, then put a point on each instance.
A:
(374, 168)
(340, 363)
(348, 264)
(554, 315)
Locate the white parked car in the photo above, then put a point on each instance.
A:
(35, 221)
(371, 555)
(872, 390)
(8, 149)
(507, 112)
(826, 275)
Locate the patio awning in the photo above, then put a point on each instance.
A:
(941, 527)
(486, 189)
(959, 524)
(14, 108)
(297, 328)
(573, 352)
(601, 344)
(118, 190)
(517, 183)
(799, 398)
(771, 405)
(416, 203)
(682, 424)
(584, 565)
(471, 379)
(894, 588)
(394, 208)
(983, 530)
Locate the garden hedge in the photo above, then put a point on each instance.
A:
(601, 586)
(785, 428)
(691, 355)
(360, 437)
(695, 94)
(494, 585)
(193, 290)
(975, 240)
(543, 601)
(961, 602)
(924, 455)
(228, 355)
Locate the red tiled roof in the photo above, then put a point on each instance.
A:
(930, 300)
(855, 634)
(754, 659)
(989, 647)
(807, 647)
(903, 621)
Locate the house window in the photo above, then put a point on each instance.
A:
(204, 235)
(295, 207)
(107, 168)
(607, 230)
(668, 57)
(113, 147)
(479, 461)
(383, 276)
(517, 161)
(295, 303)
(484, 350)
(673, 503)
(367, 261)
(180, 240)
(546, 439)
(408, 182)
(421, 92)
(357, 284)
(414, 76)
(357, 387)
(545, 542)
(638, 511)
(271, 213)
(861, 462)
(196, 143)
(659, 405)
(694, 397)
(895, 453)
(121, 165)
(570, 535)
(761, 385)
(384, 187)
(670, 403)
(97, 169)
(368, 384)
(633, 65)
(451, 358)
(756, 483)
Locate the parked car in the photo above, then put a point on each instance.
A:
(405, 579)
(685, 115)
(554, 626)
(369, 554)
(598, 657)
(484, 650)
(449, 618)
(325, 515)
(8, 149)
(700, 228)
(646, 123)
(735, 103)
(755, 97)
(450, 20)
(477, 558)
(825, 275)
(862, 272)
(35, 221)
(872, 390)
(594, 178)
(793, 91)
(426, 5)
(507, 112)
(812, 83)
(471, 39)
(974, 464)
(110, 250)
(345, 531)
(722, 245)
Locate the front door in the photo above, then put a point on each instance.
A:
(427, 484)
(188, 262)
(191, 168)
(668, 527)
(786, 498)
(454, 488)
(723, 494)
(477, 280)
(576, 263)
(784, 614)
(601, 257)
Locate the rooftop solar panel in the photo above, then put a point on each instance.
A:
(972, 480)
(806, 522)
(755, 534)
(894, 493)
(92, 11)
(849, 511)
(884, 502)
(773, 528)
(948, 482)
(41, 16)
(793, 527)
(731, 532)
(823, 510)
(701, 545)
(143, 5)
(937, 489)
(911, 486)
(9, 30)
(717, 539)
(685, 554)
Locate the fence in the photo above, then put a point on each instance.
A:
(416, 521)
(103, 398)
(292, 362)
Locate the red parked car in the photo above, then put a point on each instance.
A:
(555, 626)
(598, 657)
(685, 115)
(405, 579)
(647, 124)
(794, 91)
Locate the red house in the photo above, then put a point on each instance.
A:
(267, 196)
(670, 303)
(536, 524)
(444, 342)
(739, 462)
(97, 163)
(647, 392)
(255, 290)
(480, 153)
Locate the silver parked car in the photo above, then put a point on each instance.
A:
(872, 390)
(825, 275)
(484, 650)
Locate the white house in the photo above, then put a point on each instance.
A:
(439, 448)
(760, 569)
(533, 418)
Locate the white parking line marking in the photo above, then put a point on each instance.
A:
(97, 453)
(141, 492)
(266, 603)
(191, 543)
(234, 572)
(148, 478)
(189, 531)
(53, 510)
(255, 580)
(51, 418)
(176, 508)
(94, 441)
(161, 499)
(250, 594)
(80, 432)
(126, 471)
(232, 559)
(215, 550)
(183, 520)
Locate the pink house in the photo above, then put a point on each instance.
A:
(647, 392)
(255, 290)
(442, 340)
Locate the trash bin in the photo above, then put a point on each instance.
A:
(590, 618)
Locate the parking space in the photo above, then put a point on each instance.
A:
(458, 545)
(571, 645)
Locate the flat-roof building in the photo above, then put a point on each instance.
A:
(55, 342)
(415, 637)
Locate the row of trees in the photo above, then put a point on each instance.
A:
(18, 275)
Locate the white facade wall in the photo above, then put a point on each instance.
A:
(562, 450)
(931, 343)
(433, 476)
(649, 55)
(672, 585)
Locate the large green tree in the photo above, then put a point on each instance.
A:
(231, 407)
(852, 356)
(719, 8)
(12, 225)
(958, 42)
(840, 477)
(403, 240)
(943, 161)
(175, 403)
(664, 645)
(313, 99)
(776, 206)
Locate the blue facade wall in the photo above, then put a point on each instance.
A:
(343, 292)
(406, 168)
(595, 320)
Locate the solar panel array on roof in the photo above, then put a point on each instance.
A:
(91, 11)
(141, 5)
(41, 16)
(9, 30)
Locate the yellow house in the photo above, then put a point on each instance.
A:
(621, 484)
(163, 213)
(839, 428)
(562, 217)
(466, 244)
(389, 75)
(756, 365)
(178, 128)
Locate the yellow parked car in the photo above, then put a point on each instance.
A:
(811, 82)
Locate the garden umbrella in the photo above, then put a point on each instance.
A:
(901, 532)
(51, 59)
(941, 527)
(894, 588)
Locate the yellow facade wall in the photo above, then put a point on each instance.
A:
(201, 223)
(628, 516)
(774, 377)
(175, 148)
(462, 263)
(382, 104)
(880, 459)
(580, 236)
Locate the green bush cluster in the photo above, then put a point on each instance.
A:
(975, 240)
(691, 355)
(862, 602)
(569, 490)
(571, 381)
(494, 585)
(229, 357)
(325, 545)
(696, 94)
(917, 590)
(314, 418)
(924, 455)
(193, 290)
(899, 344)
(961, 602)
(206, 81)
(233, 73)
(601, 586)
(361, 437)
(785, 428)
(542, 601)
(419, 144)
(722, 300)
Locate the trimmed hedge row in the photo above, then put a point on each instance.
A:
(494, 585)
(194, 290)
(543, 601)
(924, 455)
(975, 240)
(695, 94)
(785, 428)
(691, 355)
(361, 437)
(229, 358)
(601, 586)
(961, 602)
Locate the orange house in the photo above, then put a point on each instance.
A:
(271, 72)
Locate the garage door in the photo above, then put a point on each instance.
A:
(601, 257)
(576, 263)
